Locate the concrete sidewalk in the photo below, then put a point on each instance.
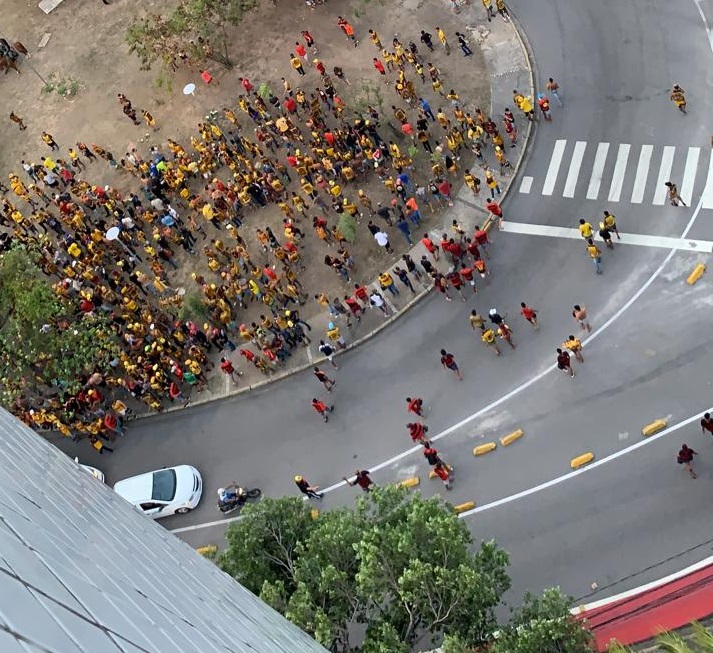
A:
(508, 62)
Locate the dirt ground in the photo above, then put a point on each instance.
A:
(87, 44)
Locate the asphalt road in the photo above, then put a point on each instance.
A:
(619, 525)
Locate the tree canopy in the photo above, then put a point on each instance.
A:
(43, 342)
(193, 33)
(397, 567)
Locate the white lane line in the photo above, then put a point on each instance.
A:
(583, 470)
(622, 157)
(641, 240)
(642, 172)
(689, 174)
(509, 395)
(595, 181)
(664, 175)
(709, 31)
(554, 168)
(526, 184)
(707, 196)
(574, 165)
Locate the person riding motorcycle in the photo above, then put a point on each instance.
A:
(231, 494)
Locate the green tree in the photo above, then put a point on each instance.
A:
(398, 562)
(44, 342)
(196, 28)
(544, 624)
(700, 640)
(347, 227)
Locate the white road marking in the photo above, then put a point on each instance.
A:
(641, 240)
(574, 165)
(310, 358)
(689, 174)
(642, 172)
(664, 175)
(582, 470)
(622, 157)
(553, 170)
(707, 196)
(516, 391)
(526, 184)
(595, 181)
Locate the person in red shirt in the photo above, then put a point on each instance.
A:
(472, 248)
(112, 424)
(322, 377)
(417, 431)
(467, 272)
(415, 406)
(300, 50)
(530, 314)
(430, 247)
(227, 368)
(379, 66)
(496, 210)
(481, 237)
(322, 408)
(320, 67)
(505, 332)
(175, 394)
(291, 105)
(362, 294)
(354, 307)
(449, 363)
(444, 474)
(457, 282)
(707, 423)
(444, 188)
(685, 458)
(563, 362)
(245, 82)
(479, 265)
(361, 479)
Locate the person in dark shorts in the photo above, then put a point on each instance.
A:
(564, 363)
(449, 363)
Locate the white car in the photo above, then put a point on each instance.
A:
(163, 492)
(96, 473)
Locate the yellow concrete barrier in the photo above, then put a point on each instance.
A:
(314, 513)
(696, 274)
(462, 507)
(654, 427)
(484, 448)
(409, 482)
(432, 474)
(488, 224)
(210, 549)
(581, 461)
(511, 437)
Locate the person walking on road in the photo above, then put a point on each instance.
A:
(328, 351)
(605, 235)
(430, 453)
(228, 369)
(449, 363)
(707, 424)
(444, 41)
(505, 333)
(322, 408)
(575, 346)
(553, 87)
(489, 11)
(487, 337)
(595, 255)
(530, 314)
(444, 474)
(415, 406)
(564, 363)
(673, 195)
(307, 489)
(580, 317)
(463, 42)
(610, 223)
(417, 431)
(685, 458)
(322, 377)
(361, 478)
(585, 229)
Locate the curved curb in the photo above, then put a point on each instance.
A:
(415, 300)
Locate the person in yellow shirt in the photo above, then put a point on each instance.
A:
(335, 190)
(585, 229)
(335, 336)
(487, 337)
(386, 281)
(595, 255)
(575, 346)
(297, 65)
(442, 38)
(472, 182)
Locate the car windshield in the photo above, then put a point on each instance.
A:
(164, 485)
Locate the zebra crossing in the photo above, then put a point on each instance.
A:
(625, 173)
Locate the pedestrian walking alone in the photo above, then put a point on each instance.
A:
(530, 314)
(707, 423)
(463, 42)
(673, 195)
(415, 406)
(444, 41)
(685, 458)
(307, 489)
(328, 351)
(322, 377)
(554, 88)
(449, 363)
(564, 363)
(579, 313)
(361, 478)
(18, 121)
(595, 255)
(227, 368)
(322, 408)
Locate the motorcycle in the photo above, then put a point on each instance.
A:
(231, 505)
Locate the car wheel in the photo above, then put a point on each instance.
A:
(183, 511)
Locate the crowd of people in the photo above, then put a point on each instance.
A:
(112, 251)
